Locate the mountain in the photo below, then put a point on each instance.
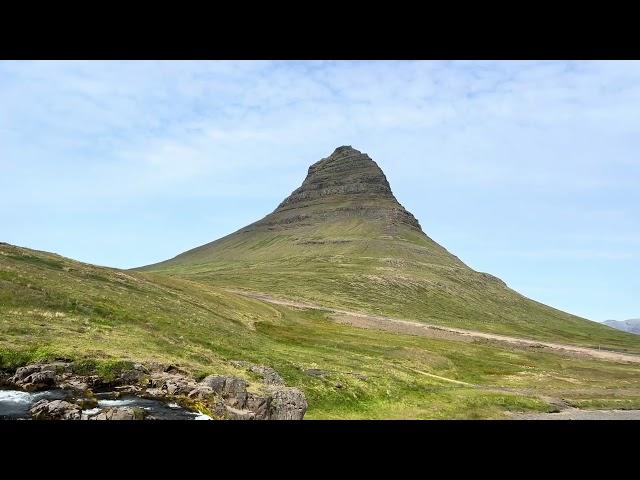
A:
(632, 325)
(343, 240)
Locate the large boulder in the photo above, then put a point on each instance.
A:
(55, 410)
(39, 376)
(275, 403)
(37, 381)
(201, 392)
(287, 403)
(120, 413)
(237, 414)
(4, 379)
(232, 389)
(260, 405)
(162, 384)
(133, 376)
(23, 372)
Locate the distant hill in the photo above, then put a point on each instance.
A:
(343, 240)
(632, 325)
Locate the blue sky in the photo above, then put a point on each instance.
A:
(527, 170)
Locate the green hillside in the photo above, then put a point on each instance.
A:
(52, 307)
(342, 240)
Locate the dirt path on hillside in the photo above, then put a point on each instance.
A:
(435, 331)
(578, 414)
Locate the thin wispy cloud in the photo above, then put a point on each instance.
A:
(126, 163)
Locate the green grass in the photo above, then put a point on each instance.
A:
(362, 265)
(52, 307)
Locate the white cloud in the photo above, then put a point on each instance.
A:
(538, 151)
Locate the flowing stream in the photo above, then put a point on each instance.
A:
(15, 405)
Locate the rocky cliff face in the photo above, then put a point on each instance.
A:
(346, 171)
(345, 184)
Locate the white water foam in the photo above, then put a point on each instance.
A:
(116, 403)
(15, 396)
(202, 416)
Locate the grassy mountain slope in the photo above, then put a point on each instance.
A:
(51, 306)
(343, 240)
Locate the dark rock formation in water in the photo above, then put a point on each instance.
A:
(56, 410)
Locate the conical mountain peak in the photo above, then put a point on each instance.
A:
(346, 183)
(346, 171)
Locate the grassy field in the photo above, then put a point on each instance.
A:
(55, 307)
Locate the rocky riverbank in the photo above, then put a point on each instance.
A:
(216, 396)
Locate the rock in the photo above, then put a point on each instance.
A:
(269, 375)
(55, 410)
(140, 368)
(315, 372)
(237, 414)
(171, 384)
(347, 172)
(38, 376)
(259, 405)
(174, 369)
(24, 372)
(232, 389)
(76, 384)
(240, 364)
(131, 389)
(94, 382)
(120, 413)
(276, 403)
(201, 391)
(87, 403)
(287, 404)
(57, 367)
(214, 382)
(155, 392)
(39, 381)
(131, 377)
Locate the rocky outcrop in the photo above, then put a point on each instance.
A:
(224, 396)
(275, 402)
(345, 171)
(4, 379)
(163, 383)
(35, 377)
(268, 374)
(233, 390)
(346, 175)
(55, 410)
(287, 404)
(120, 413)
